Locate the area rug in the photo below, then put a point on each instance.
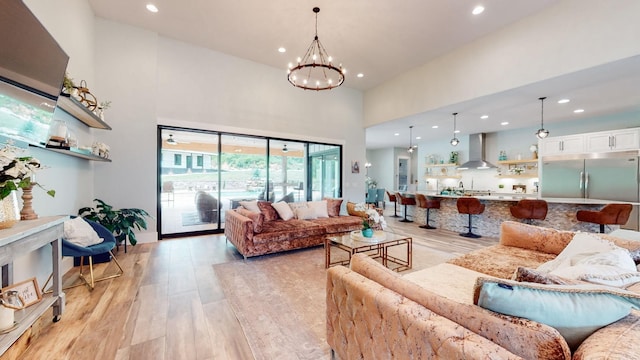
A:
(279, 300)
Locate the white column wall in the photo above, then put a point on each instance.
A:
(570, 36)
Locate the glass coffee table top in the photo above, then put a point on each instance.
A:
(377, 247)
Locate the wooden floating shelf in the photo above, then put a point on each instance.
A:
(516, 176)
(443, 176)
(75, 153)
(76, 109)
(441, 165)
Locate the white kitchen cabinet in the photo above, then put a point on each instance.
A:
(571, 144)
(618, 140)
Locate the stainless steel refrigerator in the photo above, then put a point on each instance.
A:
(606, 176)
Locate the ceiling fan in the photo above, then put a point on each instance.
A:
(171, 140)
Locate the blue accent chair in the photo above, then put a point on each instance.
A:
(108, 243)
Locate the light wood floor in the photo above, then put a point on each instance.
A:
(169, 304)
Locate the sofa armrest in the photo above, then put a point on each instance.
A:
(366, 320)
(547, 240)
(238, 229)
(617, 341)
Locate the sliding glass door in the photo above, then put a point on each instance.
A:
(202, 174)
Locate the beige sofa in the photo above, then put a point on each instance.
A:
(374, 313)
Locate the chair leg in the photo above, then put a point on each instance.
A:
(395, 209)
(470, 233)
(405, 216)
(90, 283)
(427, 226)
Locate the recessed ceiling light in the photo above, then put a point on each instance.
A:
(282, 50)
(396, 134)
(456, 132)
(360, 75)
(434, 127)
(504, 123)
(418, 137)
(563, 101)
(577, 111)
(152, 8)
(478, 10)
(484, 117)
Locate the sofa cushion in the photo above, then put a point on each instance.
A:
(568, 308)
(333, 206)
(616, 341)
(339, 224)
(522, 337)
(256, 217)
(283, 210)
(270, 214)
(280, 230)
(501, 261)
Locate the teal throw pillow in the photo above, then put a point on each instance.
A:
(576, 311)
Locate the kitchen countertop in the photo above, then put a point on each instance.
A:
(517, 197)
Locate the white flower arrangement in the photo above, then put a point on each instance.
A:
(372, 215)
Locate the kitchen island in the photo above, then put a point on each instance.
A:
(561, 214)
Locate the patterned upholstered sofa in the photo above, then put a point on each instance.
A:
(259, 233)
(374, 313)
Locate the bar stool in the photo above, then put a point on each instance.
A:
(610, 214)
(405, 201)
(392, 198)
(470, 206)
(528, 210)
(428, 204)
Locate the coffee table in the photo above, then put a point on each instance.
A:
(376, 247)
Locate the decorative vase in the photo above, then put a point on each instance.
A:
(9, 211)
(367, 232)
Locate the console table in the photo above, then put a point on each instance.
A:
(24, 237)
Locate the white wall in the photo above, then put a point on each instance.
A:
(72, 178)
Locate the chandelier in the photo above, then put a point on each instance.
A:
(315, 70)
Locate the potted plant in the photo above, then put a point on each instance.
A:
(367, 231)
(120, 222)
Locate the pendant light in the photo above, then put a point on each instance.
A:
(411, 147)
(542, 132)
(455, 140)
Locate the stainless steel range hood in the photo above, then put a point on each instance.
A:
(477, 154)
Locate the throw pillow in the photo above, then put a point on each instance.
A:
(250, 205)
(569, 309)
(306, 213)
(270, 214)
(320, 207)
(524, 274)
(297, 205)
(79, 232)
(283, 209)
(333, 206)
(256, 217)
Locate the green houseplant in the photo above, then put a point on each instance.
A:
(121, 222)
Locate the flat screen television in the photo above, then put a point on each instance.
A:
(32, 68)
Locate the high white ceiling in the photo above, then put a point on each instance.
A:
(382, 39)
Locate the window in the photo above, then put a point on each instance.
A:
(199, 161)
(177, 159)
